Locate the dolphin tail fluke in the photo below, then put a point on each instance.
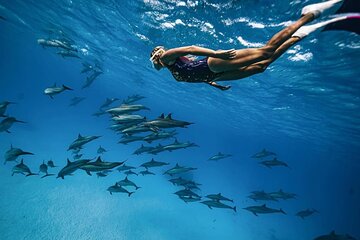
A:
(136, 188)
(47, 175)
(130, 193)
(28, 153)
(234, 208)
(67, 88)
(19, 121)
(31, 174)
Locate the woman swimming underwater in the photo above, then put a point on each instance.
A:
(224, 65)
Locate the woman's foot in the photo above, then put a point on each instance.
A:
(318, 8)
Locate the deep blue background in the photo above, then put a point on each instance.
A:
(305, 108)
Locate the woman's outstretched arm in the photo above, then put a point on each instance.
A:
(174, 53)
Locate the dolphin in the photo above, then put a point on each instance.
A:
(178, 169)
(87, 67)
(71, 167)
(219, 156)
(13, 153)
(101, 150)
(146, 172)
(177, 145)
(50, 163)
(133, 98)
(108, 102)
(283, 195)
(75, 101)
(138, 129)
(263, 209)
(7, 122)
(187, 199)
(117, 188)
(158, 149)
(99, 166)
(125, 167)
(334, 236)
(218, 197)
(3, 107)
(120, 127)
(273, 163)
(126, 182)
(262, 196)
(22, 168)
(159, 135)
(217, 204)
(101, 174)
(128, 139)
(44, 168)
(128, 119)
(178, 181)
(263, 153)
(142, 149)
(54, 90)
(191, 185)
(153, 163)
(81, 141)
(187, 193)
(55, 43)
(166, 122)
(91, 79)
(130, 172)
(306, 213)
(67, 53)
(126, 109)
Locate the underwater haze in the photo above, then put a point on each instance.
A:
(304, 111)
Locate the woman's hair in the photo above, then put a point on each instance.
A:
(155, 52)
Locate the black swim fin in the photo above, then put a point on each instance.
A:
(351, 23)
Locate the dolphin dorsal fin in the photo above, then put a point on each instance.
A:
(161, 116)
(54, 85)
(152, 160)
(219, 194)
(264, 205)
(79, 136)
(126, 178)
(98, 159)
(11, 146)
(177, 165)
(333, 233)
(68, 161)
(176, 141)
(168, 116)
(22, 161)
(281, 190)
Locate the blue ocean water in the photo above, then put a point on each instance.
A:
(305, 108)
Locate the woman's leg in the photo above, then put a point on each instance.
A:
(258, 67)
(286, 33)
(246, 57)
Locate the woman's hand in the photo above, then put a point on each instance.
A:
(225, 54)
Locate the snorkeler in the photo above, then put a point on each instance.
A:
(224, 65)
